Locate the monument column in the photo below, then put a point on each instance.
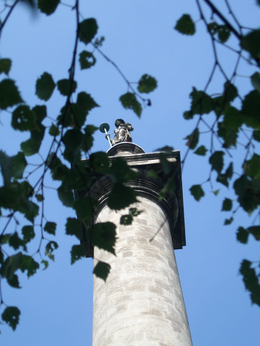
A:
(141, 302)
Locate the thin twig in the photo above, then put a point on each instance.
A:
(7, 16)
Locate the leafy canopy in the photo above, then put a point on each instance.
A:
(71, 139)
(228, 120)
(229, 117)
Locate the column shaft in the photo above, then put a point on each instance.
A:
(141, 303)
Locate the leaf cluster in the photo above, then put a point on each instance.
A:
(228, 121)
(22, 194)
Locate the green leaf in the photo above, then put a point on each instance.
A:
(5, 66)
(255, 80)
(30, 265)
(120, 171)
(85, 102)
(10, 265)
(193, 139)
(102, 270)
(15, 241)
(232, 118)
(50, 227)
(77, 252)
(99, 41)
(28, 208)
(86, 60)
(6, 164)
(223, 33)
(23, 119)
(66, 118)
(229, 135)
(188, 115)
(19, 165)
(74, 227)
(66, 86)
(201, 102)
(88, 139)
(152, 174)
(78, 178)
(11, 316)
(226, 177)
(251, 281)
(30, 147)
(99, 162)
(185, 25)
(58, 170)
(33, 144)
(216, 192)
(54, 130)
(230, 92)
(213, 27)
(14, 282)
(129, 101)
(216, 160)
(16, 196)
(85, 208)
(121, 196)
(41, 113)
(255, 231)
(74, 117)
(256, 135)
(135, 211)
(201, 151)
(12, 166)
(227, 204)
(168, 189)
(166, 165)
(45, 86)
(50, 247)
(28, 234)
(65, 196)
(147, 84)
(73, 141)
(45, 263)
(10, 196)
(197, 192)
(5, 239)
(228, 221)
(166, 149)
(103, 235)
(87, 30)
(252, 167)
(126, 219)
(48, 6)
(242, 235)
(39, 197)
(220, 104)
(9, 94)
(248, 192)
(250, 43)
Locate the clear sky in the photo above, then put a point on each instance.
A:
(56, 304)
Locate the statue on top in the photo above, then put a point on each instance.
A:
(122, 132)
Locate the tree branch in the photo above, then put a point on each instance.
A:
(216, 11)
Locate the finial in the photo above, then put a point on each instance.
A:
(122, 132)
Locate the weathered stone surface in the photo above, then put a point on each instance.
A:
(141, 302)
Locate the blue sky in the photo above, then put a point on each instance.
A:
(56, 304)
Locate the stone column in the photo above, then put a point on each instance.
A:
(141, 303)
